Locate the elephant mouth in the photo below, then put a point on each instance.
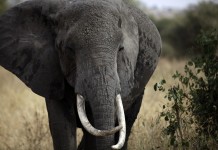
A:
(121, 120)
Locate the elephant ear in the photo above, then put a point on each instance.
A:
(27, 47)
(150, 46)
(128, 56)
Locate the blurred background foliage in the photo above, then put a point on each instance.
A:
(179, 31)
(3, 5)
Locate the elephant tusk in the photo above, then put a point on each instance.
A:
(87, 125)
(122, 122)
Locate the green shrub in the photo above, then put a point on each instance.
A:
(193, 101)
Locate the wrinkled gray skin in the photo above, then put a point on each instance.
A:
(95, 48)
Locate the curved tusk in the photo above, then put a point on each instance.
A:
(122, 122)
(85, 122)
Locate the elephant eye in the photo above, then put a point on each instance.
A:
(121, 48)
(119, 23)
(69, 48)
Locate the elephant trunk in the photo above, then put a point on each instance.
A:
(104, 117)
(101, 91)
(121, 119)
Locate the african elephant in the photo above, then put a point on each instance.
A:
(83, 56)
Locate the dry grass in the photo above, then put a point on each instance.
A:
(147, 131)
(23, 116)
(23, 123)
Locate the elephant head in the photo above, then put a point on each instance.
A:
(91, 44)
(95, 41)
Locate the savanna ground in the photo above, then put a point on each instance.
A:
(24, 121)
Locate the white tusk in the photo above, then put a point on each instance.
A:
(122, 122)
(85, 122)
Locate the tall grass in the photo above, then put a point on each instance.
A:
(23, 118)
(24, 121)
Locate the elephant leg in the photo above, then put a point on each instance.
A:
(62, 124)
(131, 115)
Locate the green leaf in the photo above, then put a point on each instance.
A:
(172, 141)
(190, 63)
(162, 114)
(163, 82)
(155, 87)
(166, 118)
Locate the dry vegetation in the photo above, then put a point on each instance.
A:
(23, 116)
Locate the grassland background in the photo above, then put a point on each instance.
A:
(24, 121)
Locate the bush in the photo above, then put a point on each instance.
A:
(194, 100)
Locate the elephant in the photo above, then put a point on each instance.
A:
(89, 59)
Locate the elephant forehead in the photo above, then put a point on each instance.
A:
(95, 32)
(99, 30)
(89, 9)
